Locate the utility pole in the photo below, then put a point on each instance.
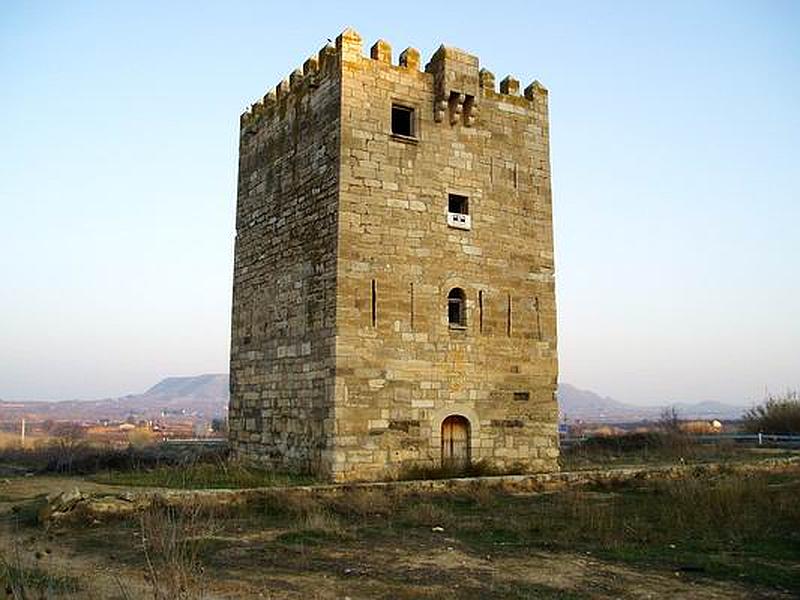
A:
(22, 434)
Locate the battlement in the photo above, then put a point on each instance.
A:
(300, 81)
(458, 81)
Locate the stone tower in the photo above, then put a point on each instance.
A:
(393, 296)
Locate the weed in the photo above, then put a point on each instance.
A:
(25, 580)
(213, 474)
(474, 469)
(28, 582)
(171, 541)
(65, 455)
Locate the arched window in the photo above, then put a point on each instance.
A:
(457, 308)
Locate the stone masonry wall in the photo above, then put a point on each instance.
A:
(284, 286)
(398, 378)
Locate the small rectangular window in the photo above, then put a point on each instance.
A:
(522, 396)
(402, 120)
(457, 204)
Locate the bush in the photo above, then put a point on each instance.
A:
(83, 458)
(776, 415)
(172, 540)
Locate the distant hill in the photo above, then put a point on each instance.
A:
(199, 386)
(585, 405)
(202, 396)
(206, 397)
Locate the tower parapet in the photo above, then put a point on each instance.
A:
(300, 82)
(456, 79)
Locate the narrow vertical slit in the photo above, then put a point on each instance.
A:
(411, 291)
(516, 177)
(538, 319)
(508, 318)
(480, 311)
(374, 304)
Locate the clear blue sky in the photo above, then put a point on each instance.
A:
(676, 172)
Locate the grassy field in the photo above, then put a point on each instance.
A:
(199, 475)
(658, 449)
(727, 537)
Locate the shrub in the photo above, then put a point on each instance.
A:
(84, 458)
(171, 542)
(776, 415)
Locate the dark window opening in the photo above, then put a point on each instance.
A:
(457, 308)
(402, 120)
(522, 396)
(508, 317)
(374, 304)
(480, 311)
(458, 204)
(411, 293)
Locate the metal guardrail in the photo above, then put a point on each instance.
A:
(195, 442)
(752, 439)
(743, 439)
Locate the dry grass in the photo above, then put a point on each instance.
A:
(739, 529)
(10, 439)
(322, 521)
(647, 448)
(24, 577)
(172, 541)
(362, 502)
(139, 464)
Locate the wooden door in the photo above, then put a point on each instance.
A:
(455, 442)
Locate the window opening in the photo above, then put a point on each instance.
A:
(458, 211)
(457, 204)
(480, 311)
(374, 304)
(411, 292)
(456, 308)
(508, 317)
(402, 120)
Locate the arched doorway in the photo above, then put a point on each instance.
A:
(455, 442)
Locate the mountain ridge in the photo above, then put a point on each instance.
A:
(206, 397)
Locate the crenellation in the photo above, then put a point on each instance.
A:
(296, 80)
(349, 45)
(538, 94)
(409, 59)
(327, 58)
(381, 51)
(282, 90)
(509, 86)
(311, 66)
(487, 80)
